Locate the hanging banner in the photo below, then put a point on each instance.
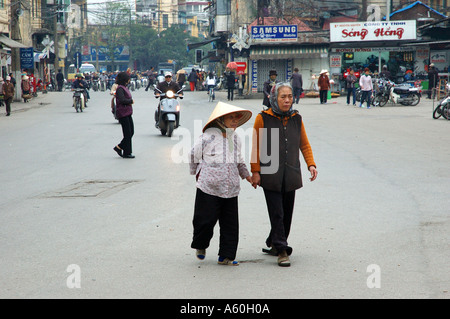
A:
(373, 31)
(26, 58)
(254, 76)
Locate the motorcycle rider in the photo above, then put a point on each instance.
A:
(165, 86)
(79, 83)
(95, 79)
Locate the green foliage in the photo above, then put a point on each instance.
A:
(145, 45)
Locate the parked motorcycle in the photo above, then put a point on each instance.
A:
(79, 100)
(403, 94)
(167, 115)
(443, 108)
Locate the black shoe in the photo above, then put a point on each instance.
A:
(271, 251)
(128, 156)
(118, 150)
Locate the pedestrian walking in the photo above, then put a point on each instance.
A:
(268, 85)
(231, 82)
(324, 85)
(124, 110)
(432, 80)
(217, 163)
(8, 93)
(350, 85)
(26, 87)
(13, 80)
(60, 80)
(365, 82)
(280, 179)
(2, 97)
(192, 78)
(297, 85)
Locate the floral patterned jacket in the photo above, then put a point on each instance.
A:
(217, 163)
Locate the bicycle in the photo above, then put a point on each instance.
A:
(212, 94)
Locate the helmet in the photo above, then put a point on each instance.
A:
(168, 74)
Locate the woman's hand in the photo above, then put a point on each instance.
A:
(313, 172)
(256, 180)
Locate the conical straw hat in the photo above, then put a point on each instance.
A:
(222, 109)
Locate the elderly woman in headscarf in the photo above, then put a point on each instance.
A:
(280, 132)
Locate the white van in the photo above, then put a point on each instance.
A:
(87, 68)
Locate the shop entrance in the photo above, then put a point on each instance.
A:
(264, 66)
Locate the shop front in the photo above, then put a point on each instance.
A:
(309, 59)
(377, 44)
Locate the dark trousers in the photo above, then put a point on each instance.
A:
(208, 210)
(60, 85)
(297, 93)
(365, 96)
(128, 132)
(323, 96)
(230, 93)
(8, 102)
(351, 91)
(281, 207)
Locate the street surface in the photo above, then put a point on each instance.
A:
(78, 221)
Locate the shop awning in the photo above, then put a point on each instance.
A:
(11, 43)
(191, 46)
(286, 52)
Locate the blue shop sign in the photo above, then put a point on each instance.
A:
(26, 58)
(275, 32)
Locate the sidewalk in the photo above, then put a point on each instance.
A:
(36, 102)
(341, 100)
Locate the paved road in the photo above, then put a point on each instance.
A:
(72, 209)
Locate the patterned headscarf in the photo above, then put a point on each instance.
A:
(274, 99)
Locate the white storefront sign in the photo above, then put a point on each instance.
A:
(373, 31)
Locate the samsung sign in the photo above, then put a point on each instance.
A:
(274, 33)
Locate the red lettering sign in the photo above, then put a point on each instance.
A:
(352, 34)
(381, 32)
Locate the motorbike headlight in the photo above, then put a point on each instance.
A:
(170, 94)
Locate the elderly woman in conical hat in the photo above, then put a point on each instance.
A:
(218, 165)
(280, 132)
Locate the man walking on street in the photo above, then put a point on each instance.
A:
(60, 80)
(432, 80)
(8, 91)
(297, 85)
(271, 82)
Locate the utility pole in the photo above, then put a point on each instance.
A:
(15, 52)
(55, 45)
(388, 10)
